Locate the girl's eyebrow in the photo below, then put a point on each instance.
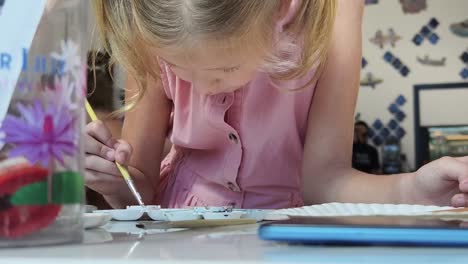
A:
(223, 68)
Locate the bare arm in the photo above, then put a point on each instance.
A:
(145, 128)
(327, 172)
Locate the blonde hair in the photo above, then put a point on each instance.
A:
(128, 28)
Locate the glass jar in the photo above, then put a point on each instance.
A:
(43, 86)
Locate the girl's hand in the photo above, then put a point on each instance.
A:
(441, 182)
(102, 150)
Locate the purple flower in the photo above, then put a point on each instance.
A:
(40, 133)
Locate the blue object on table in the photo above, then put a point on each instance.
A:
(370, 230)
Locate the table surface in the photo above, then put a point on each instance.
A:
(123, 242)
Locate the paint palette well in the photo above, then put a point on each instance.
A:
(222, 215)
(123, 214)
(154, 212)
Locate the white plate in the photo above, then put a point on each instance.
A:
(123, 214)
(181, 215)
(222, 215)
(348, 209)
(94, 220)
(257, 214)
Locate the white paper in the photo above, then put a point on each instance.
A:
(18, 23)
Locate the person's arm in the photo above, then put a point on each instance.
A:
(327, 172)
(145, 128)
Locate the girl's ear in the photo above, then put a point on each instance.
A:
(287, 12)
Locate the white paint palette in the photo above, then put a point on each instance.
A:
(222, 215)
(155, 212)
(123, 214)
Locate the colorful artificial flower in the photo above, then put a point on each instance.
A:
(40, 133)
(61, 92)
(70, 56)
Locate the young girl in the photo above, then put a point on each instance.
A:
(258, 100)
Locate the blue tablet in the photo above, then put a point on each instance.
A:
(367, 230)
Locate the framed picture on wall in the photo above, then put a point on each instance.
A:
(440, 121)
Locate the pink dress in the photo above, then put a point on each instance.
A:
(243, 148)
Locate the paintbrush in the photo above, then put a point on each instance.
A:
(122, 169)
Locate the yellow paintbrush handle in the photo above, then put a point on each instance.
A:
(90, 111)
(123, 171)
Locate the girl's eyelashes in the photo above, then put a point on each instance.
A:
(232, 69)
(227, 70)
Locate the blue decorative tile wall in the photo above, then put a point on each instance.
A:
(384, 133)
(396, 63)
(433, 38)
(379, 133)
(371, 2)
(464, 71)
(377, 124)
(464, 57)
(433, 23)
(427, 32)
(377, 140)
(400, 116)
(393, 108)
(392, 124)
(400, 132)
(401, 100)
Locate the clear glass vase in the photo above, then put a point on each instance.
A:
(43, 86)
